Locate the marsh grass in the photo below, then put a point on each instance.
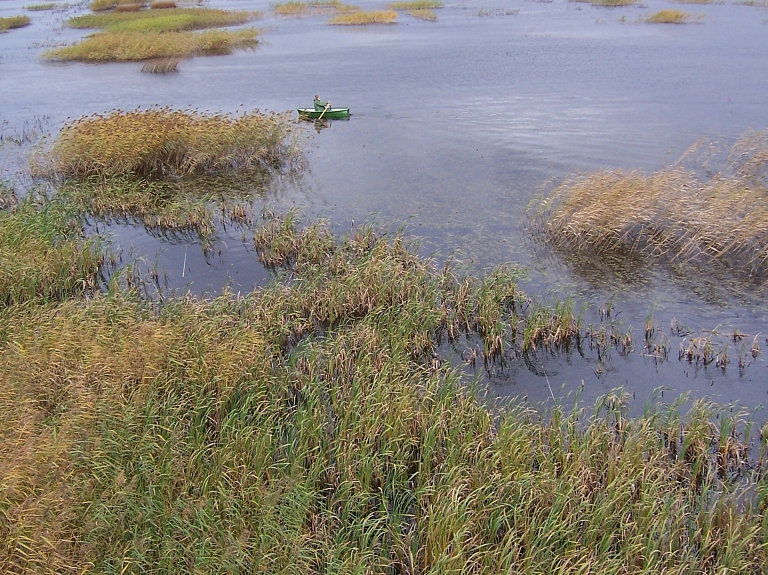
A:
(674, 215)
(162, 141)
(305, 428)
(43, 7)
(314, 7)
(608, 3)
(44, 255)
(168, 20)
(163, 5)
(364, 18)
(13, 22)
(416, 5)
(138, 46)
(668, 17)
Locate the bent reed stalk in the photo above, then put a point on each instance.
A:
(671, 215)
(306, 427)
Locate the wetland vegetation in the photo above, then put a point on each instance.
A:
(157, 34)
(361, 18)
(316, 423)
(11, 22)
(669, 17)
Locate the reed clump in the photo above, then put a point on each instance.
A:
(162, 141)
(362, 18)
(13, 22)
(44, 255)
(668, 17)
(673, 215)
(313, 7)
(416, 5)
(423, 14)
(161, 66)
(307, 427)
(42, 7)
(608, 3)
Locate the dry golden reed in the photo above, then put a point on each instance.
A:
(364, 18)
(672, 214)
(161, 141)
(12, 22)
(668, 17)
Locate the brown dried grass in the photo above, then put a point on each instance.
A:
(674, 214)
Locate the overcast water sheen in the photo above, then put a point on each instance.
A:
(457, 125)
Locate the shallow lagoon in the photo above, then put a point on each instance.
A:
(457, 126)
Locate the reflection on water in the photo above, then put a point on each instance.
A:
(458, 125)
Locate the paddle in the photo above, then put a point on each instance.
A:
(327, 107)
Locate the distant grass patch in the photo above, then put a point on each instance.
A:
(161, 141)
(169, 20)
(299, 8)
(42, 7)
(137, 46)
(672, 215)
(416, 5)
(163, 5)
(668, 17)
(12, 22)
(364, 18)
(609, 3)
(423, 14)
(101, 5)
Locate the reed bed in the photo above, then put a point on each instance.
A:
(168, 20)
(668, 17)
(13, 22)
(43, 7)
(416, 5)
(162, 141)
(314, 7)
(673, 215)
(307, 428)
(102, 5)
(364, 18)
(138, 46)
(608, 3)
(44, 255)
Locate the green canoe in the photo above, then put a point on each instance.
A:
(330, 113)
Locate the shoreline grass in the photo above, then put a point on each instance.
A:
(13, 22)
(306, 427)
(671, 216)
(364, 18)
(668, 17)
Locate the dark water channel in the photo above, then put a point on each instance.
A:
(457, 125)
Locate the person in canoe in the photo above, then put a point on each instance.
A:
(320, 105)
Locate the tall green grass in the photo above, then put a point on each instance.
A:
(308, 427)
(44, 255)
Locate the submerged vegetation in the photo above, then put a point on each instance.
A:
(364, 18)
(673, 215)
(12, 22)
(310, 427)
(668, 17)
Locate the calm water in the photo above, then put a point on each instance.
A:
(457, 125)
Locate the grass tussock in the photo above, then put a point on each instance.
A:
(161, 141)
(42, 7)
(314, 7)
(668, 17)
(307, 427)
(13, 22)
(672, 215)
(44, 255)
(138, 46)
(168, 20)
(364, 18)
(161, 66)
(416, 5)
